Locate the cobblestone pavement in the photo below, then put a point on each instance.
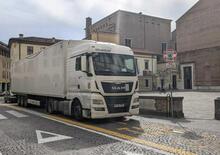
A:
(136, 135)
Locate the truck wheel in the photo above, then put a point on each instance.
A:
(22, 100)
(25, 104)
(50, 106)
(19, 100)
(77, 110)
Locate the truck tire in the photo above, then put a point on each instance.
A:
(77, 110)
(19, 100)
(22, 100)
(49, 106)
(25, 104)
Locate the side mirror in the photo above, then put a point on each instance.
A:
(84, 64)
(136, 66)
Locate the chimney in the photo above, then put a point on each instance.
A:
(21, 35)
(87, 29)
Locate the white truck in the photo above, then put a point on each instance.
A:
(84, 79)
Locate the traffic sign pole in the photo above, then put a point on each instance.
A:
(170, 58)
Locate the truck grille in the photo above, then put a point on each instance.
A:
(117, 88)
(118, 104)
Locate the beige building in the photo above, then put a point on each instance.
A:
(23, 46)
(146, 62)
(105, 37)
(198, 46)
(146, 35)
(4, 67)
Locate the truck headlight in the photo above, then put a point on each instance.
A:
(97, 102)
(136, 100)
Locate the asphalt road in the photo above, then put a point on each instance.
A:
(31, 131)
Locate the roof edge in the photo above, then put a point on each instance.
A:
(190, 9)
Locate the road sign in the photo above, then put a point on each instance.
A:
(171, 65)
(170, 55)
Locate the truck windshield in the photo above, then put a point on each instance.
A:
(114, 64)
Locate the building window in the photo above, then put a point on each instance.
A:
(146, 64)
(30, 50)
(147, 83)
(163, 47)
(3, 74)
(78, 63)
(128, 42)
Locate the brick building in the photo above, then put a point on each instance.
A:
(198, 46)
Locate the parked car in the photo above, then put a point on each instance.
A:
(10, 97)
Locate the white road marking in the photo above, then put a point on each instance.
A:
(2, 117)
(131, 153)
(0, 153)
(179, 132)
(55, 137)
(96, 132)
(16, 114)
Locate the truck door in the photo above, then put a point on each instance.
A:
(81, 77)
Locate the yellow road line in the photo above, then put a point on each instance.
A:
(130, 130)
(113, 133)
(138, 128)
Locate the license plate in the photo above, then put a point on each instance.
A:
(119, 105)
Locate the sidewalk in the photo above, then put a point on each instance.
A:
(198, 108)
(196, 105)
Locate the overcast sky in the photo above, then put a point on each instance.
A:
(65, 19)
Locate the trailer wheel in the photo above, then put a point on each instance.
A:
(77, 110)
(19, 100)
(50, 106)
(25, 103)
(22, 100)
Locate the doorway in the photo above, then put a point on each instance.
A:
(174, 82)
(162, 84)
(187, 73)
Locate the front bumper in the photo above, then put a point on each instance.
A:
(105, 113)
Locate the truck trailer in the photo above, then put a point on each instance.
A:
(83, 79)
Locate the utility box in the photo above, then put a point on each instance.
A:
(217, 108)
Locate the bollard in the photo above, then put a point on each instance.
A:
(217, 108)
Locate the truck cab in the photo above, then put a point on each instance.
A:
(102, 80)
